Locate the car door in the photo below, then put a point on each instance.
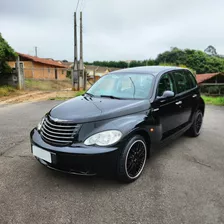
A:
(165, 111)
(194, 90)
(184, 96)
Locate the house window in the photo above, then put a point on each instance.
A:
(62, 72)
(49, 70)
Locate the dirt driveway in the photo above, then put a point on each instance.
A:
(34, 96)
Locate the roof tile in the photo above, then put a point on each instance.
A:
(42, 60)
(203, 77)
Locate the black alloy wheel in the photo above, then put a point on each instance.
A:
(198, 122)
(195, 129)
(132, 159)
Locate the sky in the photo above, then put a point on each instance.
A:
(112, 29)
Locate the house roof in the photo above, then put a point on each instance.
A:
(203, 77)
(102, 69)
(67, 64)
(91, 67)
(113, 69)
(42, 60)
(98, 69)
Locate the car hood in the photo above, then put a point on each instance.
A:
(84, 109)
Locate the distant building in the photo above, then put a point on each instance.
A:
(210, 78)
(92, 70)
(40, 68)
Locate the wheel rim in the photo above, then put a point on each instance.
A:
(135, 159)
(198, 123)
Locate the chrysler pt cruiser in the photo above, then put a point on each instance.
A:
(117, 122)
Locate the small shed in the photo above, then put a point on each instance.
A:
(211, 83)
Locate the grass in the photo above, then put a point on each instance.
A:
(67, 95)
(47, 85)
(7, 90)
(219, 100)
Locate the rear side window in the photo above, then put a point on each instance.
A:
(191, 79)
(183, 81)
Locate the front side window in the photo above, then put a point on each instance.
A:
(165, 84)
(123, 85)
(182, 82)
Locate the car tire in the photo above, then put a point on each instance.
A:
(132, 159)
(195, 129)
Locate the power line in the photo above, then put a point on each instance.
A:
(77, 5)
(83, 5)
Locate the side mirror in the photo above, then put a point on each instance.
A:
(168, 94)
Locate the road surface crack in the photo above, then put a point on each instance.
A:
(193, 159)
(11, 147)
(11, 157)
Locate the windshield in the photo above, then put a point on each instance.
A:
(131, 86)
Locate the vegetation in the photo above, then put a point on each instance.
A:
(115, 64)
(6, 54)
(194, 59)
(79, 93)
(214, 100)
(46, 85)
(198, 61)
(6, 90)
(62, 96)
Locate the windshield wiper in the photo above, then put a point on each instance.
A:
(89, 94)
(110, 96)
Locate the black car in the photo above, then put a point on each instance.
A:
(117, 122)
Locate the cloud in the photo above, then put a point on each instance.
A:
(113, 29)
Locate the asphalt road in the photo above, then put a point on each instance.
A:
(182, 182)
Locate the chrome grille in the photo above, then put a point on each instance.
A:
(58, 132)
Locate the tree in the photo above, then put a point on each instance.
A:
(6, 54)
(210, 50)
(193, 59)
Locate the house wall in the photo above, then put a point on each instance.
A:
(40, 71)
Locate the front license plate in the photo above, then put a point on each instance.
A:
(42, 154)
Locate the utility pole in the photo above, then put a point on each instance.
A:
(36, 51)
(82, 81)
(75, 73)
(20, 74)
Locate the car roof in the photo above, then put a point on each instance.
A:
(154, 70)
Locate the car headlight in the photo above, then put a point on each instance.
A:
(104, 138)
(40, 124)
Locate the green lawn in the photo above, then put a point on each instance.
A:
(219, 100)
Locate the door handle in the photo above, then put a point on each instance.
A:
(195, 95)
(156, 109)
(179, 102)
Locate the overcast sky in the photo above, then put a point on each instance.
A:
(113, 29)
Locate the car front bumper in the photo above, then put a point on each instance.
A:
(77, 158)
